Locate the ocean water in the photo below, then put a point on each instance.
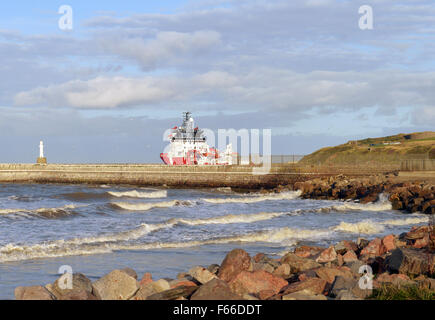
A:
(95, 229)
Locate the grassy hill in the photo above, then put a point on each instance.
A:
(418, 145)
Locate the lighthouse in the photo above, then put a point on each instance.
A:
(41, 159)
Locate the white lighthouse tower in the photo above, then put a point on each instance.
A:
(41, 159)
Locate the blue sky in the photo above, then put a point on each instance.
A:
(107, 90)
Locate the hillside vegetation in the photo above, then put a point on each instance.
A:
(418, 145)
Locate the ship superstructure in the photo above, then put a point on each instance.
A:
(188, 146)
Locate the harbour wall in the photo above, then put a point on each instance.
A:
(158, 175)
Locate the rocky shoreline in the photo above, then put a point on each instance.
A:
(306, 273)
(411, 196)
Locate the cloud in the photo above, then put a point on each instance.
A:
(260, 89)
(97, 93)
(164, 49)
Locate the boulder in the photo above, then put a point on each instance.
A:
(174, 294)
(33, 293)
(346, 295)
(329, 274)
(144, 292)
(147, 278)
(160, 285)
(182, 282)
(78, 295)
(304, 275)
(202, 275)
(362, 243)
(373, 249)
(130, 272)
(394, 279)
(215, 289)
(304, 295)
(417, 233)
(236, 261)
(283, 271)
(349, 285)
(307, 251)
(327, 255)
(340, 260)
(421, 243)
(410, 261)
(298, 264)
(314, 285)
(354, 266)
(117, 285)
(263, 266)
(389, 242)
(81, 287)
(350, 256)
(253, 282)
(258, 257)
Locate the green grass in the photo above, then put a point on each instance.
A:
(410, 292)
(361, 152)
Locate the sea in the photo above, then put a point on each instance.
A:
(94, 229)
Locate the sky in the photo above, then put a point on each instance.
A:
(107, 90)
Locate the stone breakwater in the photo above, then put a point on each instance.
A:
(154, 175)
(306, 273)
(406, 196)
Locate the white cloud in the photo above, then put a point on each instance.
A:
(260, 89)
(96, 93)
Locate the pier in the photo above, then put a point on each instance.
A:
(172, 176)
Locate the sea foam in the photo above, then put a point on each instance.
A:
(257, 198)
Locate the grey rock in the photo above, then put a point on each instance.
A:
(304, 295)
(130, 272)
(263, 266)
(80, 286)
(202, 275)
(410, 261)
(215, 290)
(173, 294)
(33, 293)
(299, 264)
(117, 285)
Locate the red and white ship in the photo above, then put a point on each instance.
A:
(188, 146)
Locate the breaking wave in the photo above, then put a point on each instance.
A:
(151, 205)
(373, 227)
(258, 198)
(119, 241)
(139, 194)
(407, 221)
(366, 227)
(382, 204)
(99, 245)
(49, 213)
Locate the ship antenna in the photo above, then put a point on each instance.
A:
(186, 115)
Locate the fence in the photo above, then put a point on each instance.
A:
(286, 158)
(418, 165)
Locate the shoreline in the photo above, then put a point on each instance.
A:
(397, 263)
